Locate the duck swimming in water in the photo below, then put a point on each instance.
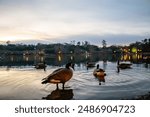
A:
(91, 64)
(100, 74)
(41, 66)
(123, 65)
(61, 75)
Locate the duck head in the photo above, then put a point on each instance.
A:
(68, 65)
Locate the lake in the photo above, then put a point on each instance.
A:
(20, 80)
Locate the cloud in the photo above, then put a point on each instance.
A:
(111, 39)
(40, 19)
(92, 39)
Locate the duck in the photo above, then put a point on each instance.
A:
(41, 66)
(90, 65)
(61, 75)
(123, 65)
(100, 74)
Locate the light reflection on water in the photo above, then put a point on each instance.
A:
(24, 82)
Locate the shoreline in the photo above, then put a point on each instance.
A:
(142, 97)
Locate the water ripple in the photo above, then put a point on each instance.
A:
(25, 83)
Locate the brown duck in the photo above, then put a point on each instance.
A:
(91, 64)
(41, 66)
(123, 65)
(61, 75)
(100, 74)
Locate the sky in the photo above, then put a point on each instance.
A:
(59, 21)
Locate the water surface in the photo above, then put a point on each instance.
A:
(24, 82)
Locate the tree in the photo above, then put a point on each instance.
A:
(8, 42)
(78, 43)
(86, 43)
(145, 41)
(73, 42)
(104, 43)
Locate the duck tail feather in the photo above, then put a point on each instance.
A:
(45, 81)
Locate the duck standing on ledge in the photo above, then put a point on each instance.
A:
(61, 75)
(100, 74)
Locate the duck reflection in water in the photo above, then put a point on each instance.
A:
(66, 94)
(100, 74)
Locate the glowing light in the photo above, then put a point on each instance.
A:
(27, 58)
(41, 58)
(129, 57)
(138, 56)
(59, 58)
(134, 57)
(134, 50)
(59, 52)
(12, 58)
(125, 57)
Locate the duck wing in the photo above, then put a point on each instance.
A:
(55, 71)
(61, 75)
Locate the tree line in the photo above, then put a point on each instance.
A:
(79, 47)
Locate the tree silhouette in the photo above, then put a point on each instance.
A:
(8, 42)
(104, 43)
